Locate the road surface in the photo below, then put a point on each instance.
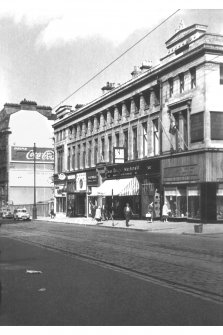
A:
(100, 276)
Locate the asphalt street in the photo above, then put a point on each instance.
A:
(94, 276)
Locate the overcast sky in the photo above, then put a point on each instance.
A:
(48, 49)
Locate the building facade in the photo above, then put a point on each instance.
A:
(157, 137)
(22, 125)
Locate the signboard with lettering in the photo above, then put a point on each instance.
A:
(26, 154)
(149, 167)
(119, 155)
(197, 127)
(92, 178)
(181, 173)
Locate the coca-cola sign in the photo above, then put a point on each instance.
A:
(25, 154)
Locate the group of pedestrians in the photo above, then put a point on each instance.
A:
(100, 213)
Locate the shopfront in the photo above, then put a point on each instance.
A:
(193, 186)
(60, 194)
(79, 186)
(136, 183)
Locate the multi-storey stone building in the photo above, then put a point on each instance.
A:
(157, 137)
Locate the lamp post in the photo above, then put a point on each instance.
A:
(34, 173)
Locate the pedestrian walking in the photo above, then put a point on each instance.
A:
(149, 215)
(128, 214)
(98, 214)
(93, 210)
(165, 212)
(52, 214)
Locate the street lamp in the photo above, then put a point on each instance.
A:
(34, 172)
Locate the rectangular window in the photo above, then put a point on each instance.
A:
(78, 157)
(221, 74)
(60, 157)
(119, 106)
(73, 158)
(70, 133)
(170, 86)
(193, 77)
(126, 143)
(146, 95)
(112, 116)
(102, 149)
(181, 134)
(135, 143)
(110, 149)
(145, 139)
(217, 125)
(156, 139)
(128, 107)
(84, 156)
(181, 77)
(137, 103)
(95, 152)
(117, 139)
(89, 153)
(68, 159)
(197, 127)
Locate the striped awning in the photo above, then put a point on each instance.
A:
(121, 187)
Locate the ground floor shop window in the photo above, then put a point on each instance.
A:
(61, 205)
(183, 201)
(220, 202)
(193, 202)
(71, 205)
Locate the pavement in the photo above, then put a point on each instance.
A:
(156, 226)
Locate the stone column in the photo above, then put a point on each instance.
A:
(132, 110)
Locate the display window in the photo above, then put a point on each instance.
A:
(220, 202)
(183, 201)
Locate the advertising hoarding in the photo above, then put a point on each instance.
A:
(26, 154)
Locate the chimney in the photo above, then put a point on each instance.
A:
(108, 87)
(146, 65)
(135, 72)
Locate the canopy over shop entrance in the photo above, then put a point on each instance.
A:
(120, 187)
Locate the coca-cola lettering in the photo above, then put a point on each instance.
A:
(24, 154)
(47, 155)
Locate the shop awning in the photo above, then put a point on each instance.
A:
(121, 187)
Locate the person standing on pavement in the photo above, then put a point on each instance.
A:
(98, 214)
(128, 214)
(165, 212)
(93, 210)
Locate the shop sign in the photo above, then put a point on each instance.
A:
(92, 178)
(81, 184)
(71, 176)
(181, 173)
(133, 169)
(61, 176)
(26, 154)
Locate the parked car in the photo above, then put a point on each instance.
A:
(6, 213)
(21, 214)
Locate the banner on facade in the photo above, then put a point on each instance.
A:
(81, 184)
(26, 154)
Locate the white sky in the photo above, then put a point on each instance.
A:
(50, 48)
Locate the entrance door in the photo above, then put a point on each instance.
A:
(208, 202)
